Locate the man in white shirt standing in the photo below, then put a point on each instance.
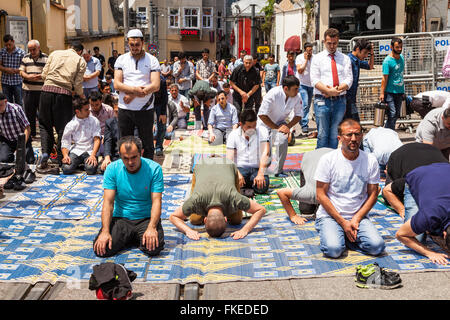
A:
(303, 62)
(347, 189)
(331, 76)
(81, 139)
(276, 107)
(137, 78)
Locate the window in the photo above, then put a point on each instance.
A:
(207, 18)
(174, 18)
(219, 19)
(141, 16)
(192, 18)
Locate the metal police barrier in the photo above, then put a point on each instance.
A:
(424, 55)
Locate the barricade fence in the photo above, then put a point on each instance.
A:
(424, 55)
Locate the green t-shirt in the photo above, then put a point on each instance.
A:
(394, 69)
(215, 185)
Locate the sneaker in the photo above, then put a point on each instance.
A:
(30, 176)
(10, 183)
(19, 184)
(48, 170)
(128, 296)
(373, 276)
(159, 152)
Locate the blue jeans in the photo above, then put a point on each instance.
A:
(351, 111)
(13, 93)
(306, 93)
(250, 175)
(329, 113)
(269, 85)
(394, 101)
(333, 241)
(411, 209)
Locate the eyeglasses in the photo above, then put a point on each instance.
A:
(349, 135)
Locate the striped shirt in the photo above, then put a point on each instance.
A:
(32, 66)
(12, 60)
(13, 121)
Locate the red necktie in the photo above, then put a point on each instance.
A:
(334, 71)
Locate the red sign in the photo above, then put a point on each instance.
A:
(189, 32)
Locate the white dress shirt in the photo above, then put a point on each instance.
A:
(78, 136)
(248, 152)
(321, 70)
(305, 78)
(277, 108)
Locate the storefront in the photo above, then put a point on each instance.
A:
(361, 17)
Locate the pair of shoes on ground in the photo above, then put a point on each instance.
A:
(16, 182)
(19, 182)
(372, 276)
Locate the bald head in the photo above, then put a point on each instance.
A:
(215, 222)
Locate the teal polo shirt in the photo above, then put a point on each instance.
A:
(133, 190)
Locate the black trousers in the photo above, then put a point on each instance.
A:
(128, 234)
(31, 106)
(7, 149)
(55, 110)
(143, 121)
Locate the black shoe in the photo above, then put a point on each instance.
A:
(48, 170)
(10, 183)
(29, 177)
(19, 184)
(43, 165)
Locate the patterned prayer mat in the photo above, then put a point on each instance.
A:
(49, 250)
(81, 197)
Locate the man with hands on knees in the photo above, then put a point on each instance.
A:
(81, 139)
(347, 189)
(216, 200)
(131, 210)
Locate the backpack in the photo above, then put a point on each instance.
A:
(112, 281)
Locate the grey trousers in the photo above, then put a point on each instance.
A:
(280, 142)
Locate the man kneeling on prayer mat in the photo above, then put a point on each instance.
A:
(131, 211)
(216, 200)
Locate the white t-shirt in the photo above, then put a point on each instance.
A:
(248, 152)
(347, 180)
(437, 97)
(180, 97)
(381, 142)
(305, 78)
(135, 74)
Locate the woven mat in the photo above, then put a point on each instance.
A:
(44, 250)
(77, 197)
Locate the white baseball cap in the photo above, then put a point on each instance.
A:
(135, 33)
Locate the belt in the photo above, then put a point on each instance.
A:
(319, 96)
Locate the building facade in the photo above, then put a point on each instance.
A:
(188, 26)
